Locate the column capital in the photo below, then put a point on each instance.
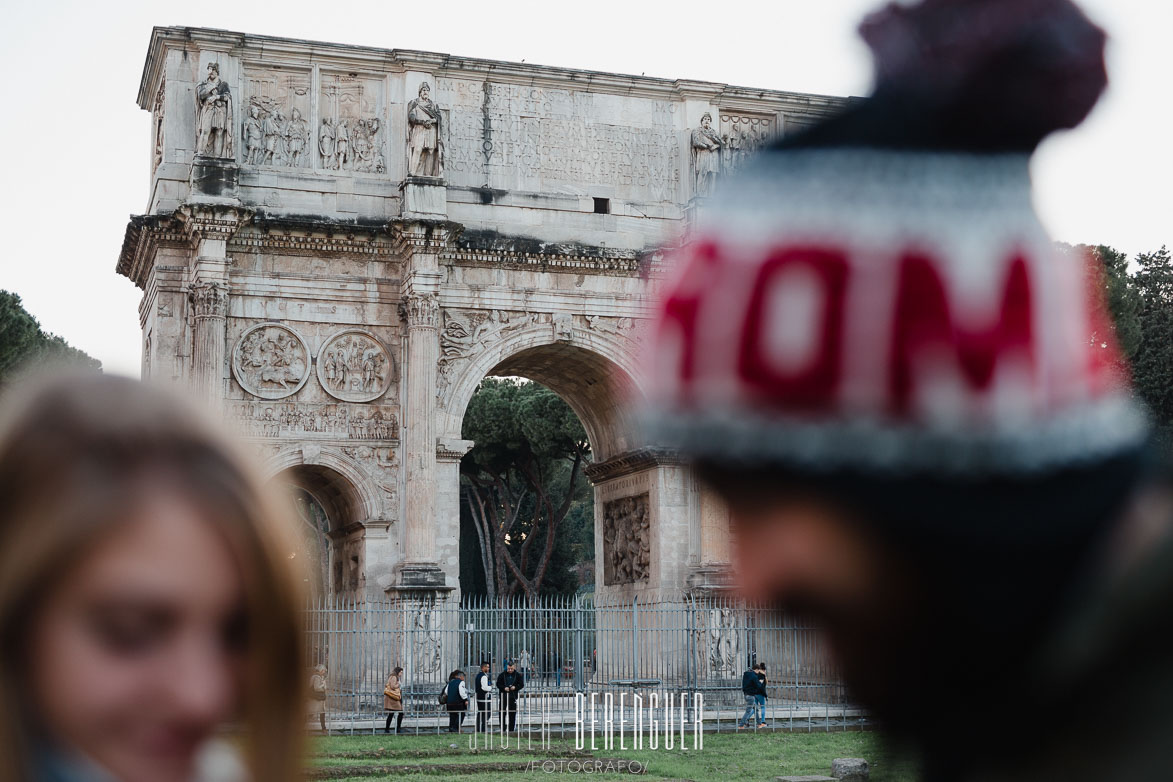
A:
(420, 310)
(209, 299)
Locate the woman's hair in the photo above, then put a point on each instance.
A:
(77, 455)
(397, 670)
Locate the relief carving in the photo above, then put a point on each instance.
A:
(271, 361)
(626, 540)
(328, 421)
(214, 119)
(718, 642)
(351, 134)
(354, 366)
(160, 102)
(741, 136)
(706, 156)
(425, 138)
(465, 334)
(275, 132)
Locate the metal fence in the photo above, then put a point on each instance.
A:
(565, 646)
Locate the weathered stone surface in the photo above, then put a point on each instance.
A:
(810, 778)
(850, 769)
(342, 242)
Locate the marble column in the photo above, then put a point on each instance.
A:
(210, 306)
(421, 244)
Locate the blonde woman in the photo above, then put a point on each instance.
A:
(393, 699)
(147, 596)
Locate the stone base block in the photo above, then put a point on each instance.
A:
(710, 580)
(421, 577)
(850, 769)
(424, 197)
(213, 180)
(812, 778)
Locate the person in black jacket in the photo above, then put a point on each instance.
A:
(456, 700)
(751, 688)
(509, 684)
(483, 688)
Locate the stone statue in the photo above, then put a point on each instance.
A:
(326, 142)
(214, 121)
(425, 144)
(254, 136)
(706, 156)
(295, 138)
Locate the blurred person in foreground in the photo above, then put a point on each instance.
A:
(909, 401)
(147, 596)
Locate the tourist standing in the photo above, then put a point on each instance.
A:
(761, 696)
(483, 688)
(318, 695)
(393, 700)
(509, 683)
(456, 700)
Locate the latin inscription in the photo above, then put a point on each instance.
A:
(527, 137)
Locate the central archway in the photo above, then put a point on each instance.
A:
(647, 508)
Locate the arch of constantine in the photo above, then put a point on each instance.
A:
(341, 242)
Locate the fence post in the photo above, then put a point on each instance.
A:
(579, 679)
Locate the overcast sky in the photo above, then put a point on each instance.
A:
(76, 147)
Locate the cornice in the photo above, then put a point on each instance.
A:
(300, 53)
(144, 235)
(631, 462)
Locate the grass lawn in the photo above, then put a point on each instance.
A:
(725, 757)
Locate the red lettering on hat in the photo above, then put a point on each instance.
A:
(923, 319)
(812, 384)
(683, 304)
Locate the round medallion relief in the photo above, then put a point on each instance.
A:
(354, 366)
(271, 361)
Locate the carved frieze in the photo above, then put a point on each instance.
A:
(275, 131)
(214, 124)
(354, 366)
(350, 137)
(741, 136)
(271, 361)
(626, 540)
(333, 421)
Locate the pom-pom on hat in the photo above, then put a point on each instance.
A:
(877, 294)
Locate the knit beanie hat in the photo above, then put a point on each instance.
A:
(876, 296)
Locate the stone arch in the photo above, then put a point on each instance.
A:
(596, 373)
(334, 479)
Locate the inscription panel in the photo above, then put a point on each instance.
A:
(517, 137)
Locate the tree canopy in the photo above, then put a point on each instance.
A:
(520, 483)
(1140, 301)
(23, 342)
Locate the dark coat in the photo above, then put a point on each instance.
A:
(751, 684)
(507, 679)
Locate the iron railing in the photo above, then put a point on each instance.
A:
(571, 645)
